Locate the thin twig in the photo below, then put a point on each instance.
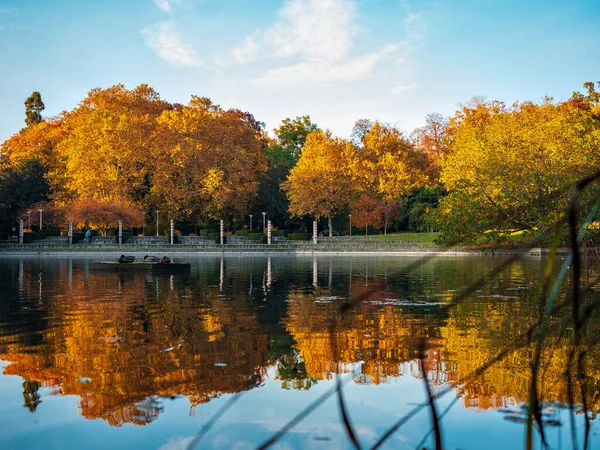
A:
(228, 404)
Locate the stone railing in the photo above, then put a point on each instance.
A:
(100, 240)
(193, 240)
(147, 240)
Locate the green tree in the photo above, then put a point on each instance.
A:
(21, 186)
(282, 155)
(33, 109)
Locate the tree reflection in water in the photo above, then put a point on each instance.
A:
(126, 343)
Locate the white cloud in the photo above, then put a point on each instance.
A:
(314, 29)
(320, 73)
(402, 88)
(168, 45)
(165, 5)
(315, 38)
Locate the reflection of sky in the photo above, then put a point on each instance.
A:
(256, 416)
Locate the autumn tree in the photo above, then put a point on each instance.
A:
(33, 109)
(432, 139)
(108, 151)
(514, 168)
(208, 162)
(387, 167)
(282, 154)
(367, 211)
(40, 142)
(102, 215)
(321, 183)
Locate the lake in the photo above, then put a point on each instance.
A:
(97, 360)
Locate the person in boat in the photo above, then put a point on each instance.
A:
(126, 259)
(151, 259)
(165, 260)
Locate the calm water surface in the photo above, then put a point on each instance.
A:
(105, 360)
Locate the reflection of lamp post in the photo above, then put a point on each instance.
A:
(29, 222)
(250, 215)
(350, 216)
(41, 219)
(264, 217)
(157, 211)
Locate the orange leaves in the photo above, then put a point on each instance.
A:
(207, 161)
(367, 211)
(103, 214)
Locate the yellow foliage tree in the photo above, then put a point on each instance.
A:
(514, 168)
(321, 183)
(108, 152)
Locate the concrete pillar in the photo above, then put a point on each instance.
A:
(120, 232)
(21, 231)
(314, 231)
(221, 231)
(70, 232)
(172, 232)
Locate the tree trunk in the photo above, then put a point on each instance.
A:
(385, 228)
(330, 227)
(366, 229)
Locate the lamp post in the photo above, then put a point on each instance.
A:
(29, 221)
(41, 219)
(264, 218)
(350, 216)
(250, 215)
(157, 211)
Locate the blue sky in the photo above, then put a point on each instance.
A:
(336, 60)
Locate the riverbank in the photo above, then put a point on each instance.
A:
(274, 249)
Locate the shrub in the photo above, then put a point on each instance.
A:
(299, 236)
(255, 236)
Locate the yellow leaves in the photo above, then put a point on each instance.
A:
(320, 184)
(212, 181)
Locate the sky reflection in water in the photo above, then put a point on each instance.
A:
(132, 360)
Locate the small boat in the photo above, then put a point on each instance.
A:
(140, 266)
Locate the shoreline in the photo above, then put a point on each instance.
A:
(332, 251)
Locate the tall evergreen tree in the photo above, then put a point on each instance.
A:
(33, 109)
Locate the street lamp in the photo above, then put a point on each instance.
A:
(350, 216)
(250, 215)
(157, 211)
(29, 222)
(41, 219)
(264, 217)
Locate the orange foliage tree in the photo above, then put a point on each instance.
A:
(367, 211)
(208, 161)
(103, 214)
